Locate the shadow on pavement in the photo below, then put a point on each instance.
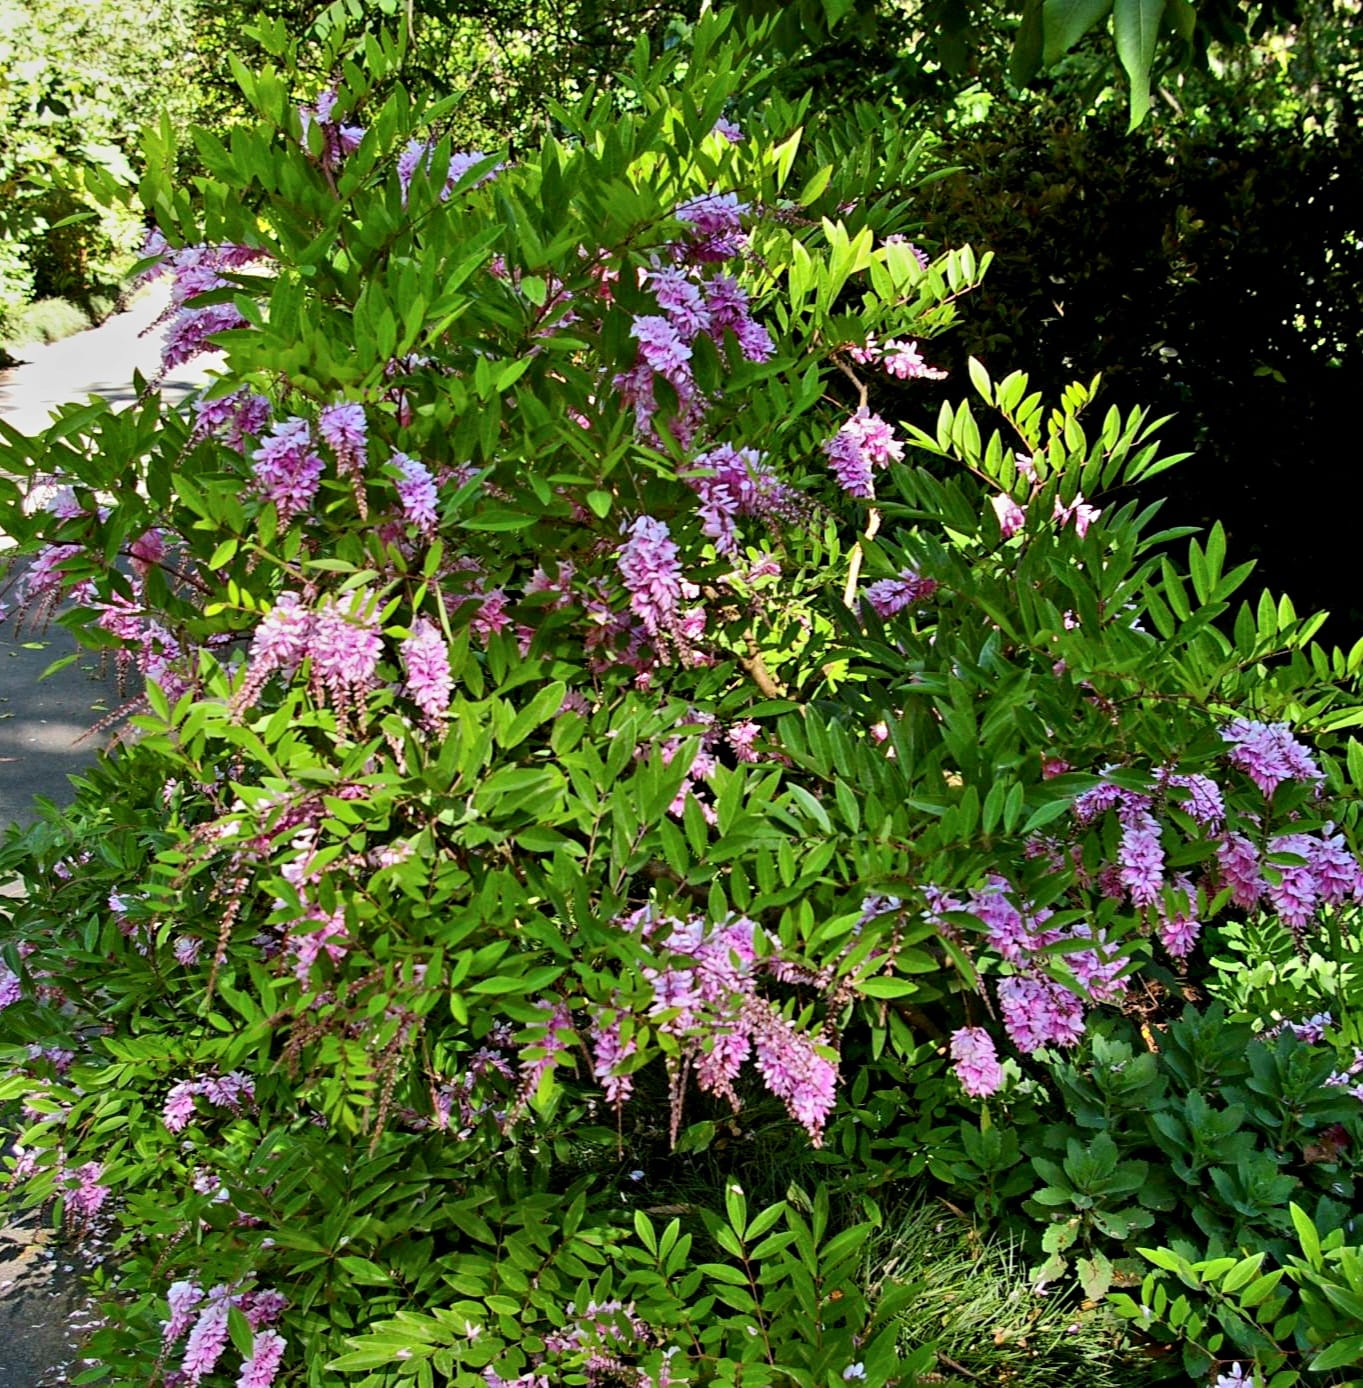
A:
(44, 724)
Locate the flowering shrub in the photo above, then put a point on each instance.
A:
(562, 712)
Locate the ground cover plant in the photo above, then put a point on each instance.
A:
(600, 805)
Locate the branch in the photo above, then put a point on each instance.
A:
(849, 593)
(756, 666)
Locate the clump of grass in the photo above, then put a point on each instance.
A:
(45, 320)
(977, 1307)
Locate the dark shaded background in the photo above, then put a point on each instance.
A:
(1219, 280)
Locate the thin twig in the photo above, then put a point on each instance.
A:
(849, 593)
(958, 1368)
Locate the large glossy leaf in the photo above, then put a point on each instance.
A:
(1025, 60)
(1065, 22)
(1135, 25)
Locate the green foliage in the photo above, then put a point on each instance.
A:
(340, 993)
(1301, 1330)
(1264, 975)
(77, 83)
(1301, 54)
(1202, 1143)
(509, 64)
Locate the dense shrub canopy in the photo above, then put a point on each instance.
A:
(590, 770)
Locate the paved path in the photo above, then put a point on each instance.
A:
(98, 362)
(43, 740)
(43, 725)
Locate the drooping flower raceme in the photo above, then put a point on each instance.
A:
(280, 643)
(421, 154)
(660, 344)
(904, 361)
(233, 416)
(1039, 1012)
(1239, 862)
(1178, 923)
(862, 445)
(207, 1340)
(426, 658)
(343, 428)
(1291, 887)
(609, 1051)
(717, 225)
(262, 1368)
(417, 493)
(345, 646)
(651, 573)
(286, 469)
(736, 482)
(184, 1298)
(1010, 515)
(1142, 857)
(890, 596)
(727, 303)
(976, 1062)
(681, 300)
(1269, 754)
(1203, 800)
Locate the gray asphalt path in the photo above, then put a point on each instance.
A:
(45, 728)
(99, 362)
(45, 725)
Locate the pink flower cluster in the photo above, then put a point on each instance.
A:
(1036, 1010)
(196, 270)
(207, 1314)
(417, 493)
(715, 226)
(279, 644)
(704, 978)
(337, 140)
(1269, 754)
(88, 1194)
(740, 739)
(555, 1035)
(287, 469)
(735, 482)
(976, 1061)
(231, 1092)
(1299, 874)
(890, 596)
(691, 306)
(651, 573)
(1039, 1012)
(420, 154)
(345, 430)
(899, 359)
(1139, 873)
(1012, 517)
(235, 417)
(426, 658)
(864, 444)
(341, 637)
